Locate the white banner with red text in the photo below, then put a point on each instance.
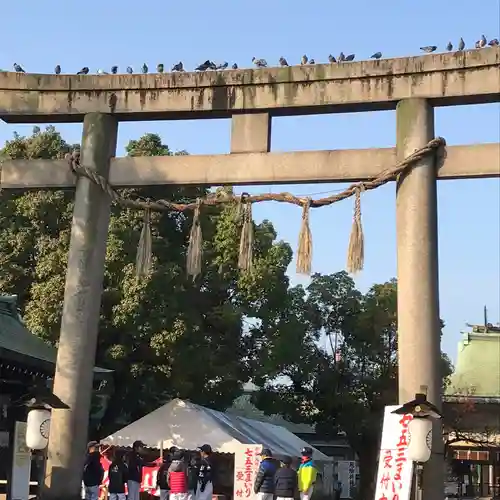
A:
(246, 465)
(395, 471)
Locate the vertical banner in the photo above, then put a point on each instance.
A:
(246, 465)
(346, 471)
(21, 464)
(395, 471)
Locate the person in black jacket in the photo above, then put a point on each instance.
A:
(193, 472)
(93, 471)
(118, 476)
(264, 480)
(135, 464)
(286, 484)
(205, 486)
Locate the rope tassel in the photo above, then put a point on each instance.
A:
(245, 257)
(305, 247)
(144, 252)
(356, 250)
(195, 247)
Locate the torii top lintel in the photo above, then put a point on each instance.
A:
(454, 78)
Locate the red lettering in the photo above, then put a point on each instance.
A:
(388, 459)
(239, 493)
(384, 481)
(239, 476)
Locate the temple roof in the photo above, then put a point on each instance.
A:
(18, 344)
(477, 370)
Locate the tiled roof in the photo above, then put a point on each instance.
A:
(16, 338)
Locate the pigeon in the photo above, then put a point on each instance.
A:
(341, 57)
(204, 66)
(461, 44)
(130, 70)
(18, 68)
(224, 65)
(234, 66)
(57, 70)
(159, 68)
(283, 61)
(212, 65)
(304, 60)
(260, 63)
(476, 45)
(350, 57)
(312, 61)
(377, 55)
(428, 48)
(332, 59)
(178, 67)
(83, 71)
(494, 42)
(482, 42)
(145, 68)
(449, 47)
(102, 72)
(114, 70)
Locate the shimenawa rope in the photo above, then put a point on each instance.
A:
(355, 257)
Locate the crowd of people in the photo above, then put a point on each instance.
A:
(184, 477)
(179, 477)
(280, 481)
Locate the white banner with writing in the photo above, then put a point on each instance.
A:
(246, 465)
(395, 471)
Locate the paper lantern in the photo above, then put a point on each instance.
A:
(420, 439)
(37, 429)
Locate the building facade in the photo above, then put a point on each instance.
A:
(472, 413)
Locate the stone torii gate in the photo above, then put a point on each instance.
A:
(413, 86)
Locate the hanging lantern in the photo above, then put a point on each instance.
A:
(37, 429)
(420, 439)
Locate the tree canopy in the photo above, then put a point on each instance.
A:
(164, 336)
(331, 360)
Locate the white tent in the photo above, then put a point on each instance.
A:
(186, 425)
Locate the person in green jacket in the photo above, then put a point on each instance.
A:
(307, 474)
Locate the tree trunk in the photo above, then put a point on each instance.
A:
(367, 456)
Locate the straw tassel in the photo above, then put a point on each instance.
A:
(356, 250)
(195, 247)
(144, 253)
(245, 257)
(304, 251)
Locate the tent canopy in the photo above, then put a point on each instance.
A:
(187, 425)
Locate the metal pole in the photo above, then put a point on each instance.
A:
(82, 300)
(418, 291)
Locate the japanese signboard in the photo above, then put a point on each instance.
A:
(395, 471)
(246, 465)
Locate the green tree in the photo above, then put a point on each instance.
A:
(344, 384)
(164, 336)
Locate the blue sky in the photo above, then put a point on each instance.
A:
(100, 34)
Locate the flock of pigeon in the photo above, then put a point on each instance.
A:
(262, 63)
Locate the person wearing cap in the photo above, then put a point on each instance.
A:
(264, 480)
(93, 471)
(136, 463)
(307, 474)
(286, 484)
(205, 487)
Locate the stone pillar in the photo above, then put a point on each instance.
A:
(251, 133)
(79, 327)
(419, 341)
